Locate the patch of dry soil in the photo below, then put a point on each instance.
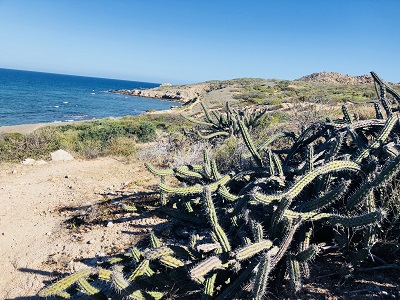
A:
(36, 200)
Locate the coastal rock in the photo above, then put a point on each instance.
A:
(61, 155)
(178, 93)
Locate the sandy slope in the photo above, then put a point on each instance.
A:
(34, 241)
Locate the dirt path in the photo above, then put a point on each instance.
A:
(35, 241)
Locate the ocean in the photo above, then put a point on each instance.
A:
(34, 97)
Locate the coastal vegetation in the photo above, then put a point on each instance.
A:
(275, 193)
(88, 139)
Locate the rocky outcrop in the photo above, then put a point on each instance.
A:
(333, 77)
(61, 155)
(178, 93)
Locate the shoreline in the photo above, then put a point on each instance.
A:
(30, 128)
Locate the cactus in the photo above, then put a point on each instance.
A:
(357, 221)
(250, 145)
(293, 268)
(61, 285)
(346, 115)
(249, 251)
(258, 225)
(261, 277)
(86, 287)
(206, 266)
(209, 287)
(139, 271)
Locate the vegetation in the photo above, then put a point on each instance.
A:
(260, 224)
(277, 91)
(88, 139)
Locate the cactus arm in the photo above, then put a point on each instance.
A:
(326, 199)
(171, 262)
(378, 111)
(152, 254)
(278, 165)
(390, 123)
(140, 270)
(214, 170)
(285, 243)
(309, 158)
(209, 287)
(86, 287)
(271, 163)
(250, 250)
(206, 266)
(192, 190)
(199, 122)
(155, 242)
(196, 189)
(159, 172)
(359, 195)
(212, 135)
(346, 115)
(388, 172)
(293, 268)
(250, 145)
(266, 143)
(207, 113)
(234, 286)
(213, 219)
(224, 193)
(261, 277)
(333, 166)
(357, 221)
(185, 171)
(64, 283)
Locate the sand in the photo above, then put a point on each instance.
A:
(37, 200)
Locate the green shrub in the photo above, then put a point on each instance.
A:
(146, 132)
(121, 146)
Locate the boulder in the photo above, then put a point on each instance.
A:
(60, 155)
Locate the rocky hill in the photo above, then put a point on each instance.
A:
(333, 77)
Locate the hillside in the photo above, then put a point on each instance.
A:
(333, 77)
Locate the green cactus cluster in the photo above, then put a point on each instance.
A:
(226, 123)
(259, 227)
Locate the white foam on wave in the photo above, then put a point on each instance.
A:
(66, 102)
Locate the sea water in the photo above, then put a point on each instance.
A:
(33, 97)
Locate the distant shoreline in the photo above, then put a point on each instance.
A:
(30, 128)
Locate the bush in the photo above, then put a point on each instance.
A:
(146, 132)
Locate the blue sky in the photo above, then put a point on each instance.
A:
(185, 41)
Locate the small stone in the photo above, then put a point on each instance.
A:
(28, 161)
(48, 233)
(14, 172)
(110, 224)
(61, 155)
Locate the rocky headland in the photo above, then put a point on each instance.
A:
(179, 93)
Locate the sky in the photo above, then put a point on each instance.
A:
(188, 41)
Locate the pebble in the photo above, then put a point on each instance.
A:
(110, 224)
